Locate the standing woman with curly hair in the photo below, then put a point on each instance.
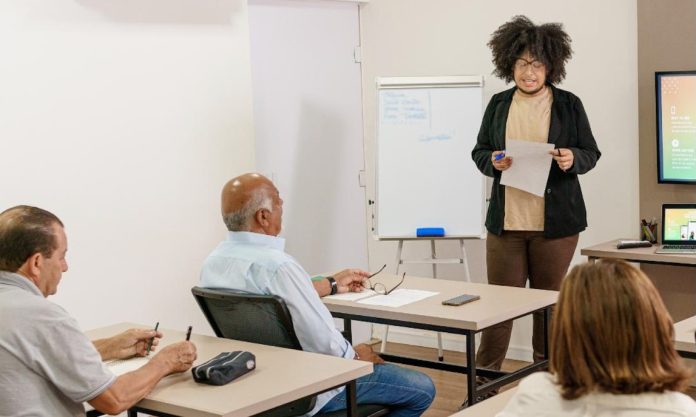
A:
(529, 237)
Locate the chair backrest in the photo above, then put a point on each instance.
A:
(263, 319)
(238, 315)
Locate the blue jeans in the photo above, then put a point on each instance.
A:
(408, 393)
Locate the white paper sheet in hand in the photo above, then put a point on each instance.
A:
(531, 162)
(351, 296)
(398, 298)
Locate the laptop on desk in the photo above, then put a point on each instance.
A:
(678, 229)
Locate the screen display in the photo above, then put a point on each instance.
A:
(679, 224)
(676, 126)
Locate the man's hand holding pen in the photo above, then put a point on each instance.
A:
(132, 342)
(177, 357)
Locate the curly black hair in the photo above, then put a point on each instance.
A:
(548, 43)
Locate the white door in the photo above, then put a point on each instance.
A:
(308, 123)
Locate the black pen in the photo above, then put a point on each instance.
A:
(149, 343)
(188, 333)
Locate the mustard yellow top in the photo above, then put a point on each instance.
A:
(529, 119)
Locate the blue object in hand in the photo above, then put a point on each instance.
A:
(430, 232)
(499, 156)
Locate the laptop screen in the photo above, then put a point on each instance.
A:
(679, 223)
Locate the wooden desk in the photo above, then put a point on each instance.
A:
(673, 275)
(281, 376)
(497, 304)
(684, 330)
(684, 340)
(642, 255)
(489, 407)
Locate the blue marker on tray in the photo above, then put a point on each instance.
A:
(430, 232)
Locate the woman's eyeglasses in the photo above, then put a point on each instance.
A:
(379, 288)
(522, 64)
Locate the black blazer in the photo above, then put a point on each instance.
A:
(564, 210)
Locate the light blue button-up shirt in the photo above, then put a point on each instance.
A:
(257, 263)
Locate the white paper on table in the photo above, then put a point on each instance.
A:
(123, 366)
(351, 296)
(531, 162)
(398, 298)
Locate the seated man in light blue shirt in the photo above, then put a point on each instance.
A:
(253, 259)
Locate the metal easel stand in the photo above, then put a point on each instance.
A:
(434, 260)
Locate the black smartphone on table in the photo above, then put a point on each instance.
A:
(461, 299)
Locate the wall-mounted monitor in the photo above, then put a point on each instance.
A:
(675, 96)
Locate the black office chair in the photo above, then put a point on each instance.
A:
(263, 319)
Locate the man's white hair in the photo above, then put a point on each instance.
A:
(240, 220)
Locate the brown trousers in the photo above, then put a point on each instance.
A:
(511, 259)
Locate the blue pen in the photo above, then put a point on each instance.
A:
(499, 156)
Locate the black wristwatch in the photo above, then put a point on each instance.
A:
(334, 286)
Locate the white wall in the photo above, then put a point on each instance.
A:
(308, 124)
(125, 119)
(448, 37)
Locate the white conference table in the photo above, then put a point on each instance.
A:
(281, 376)
(497, 305)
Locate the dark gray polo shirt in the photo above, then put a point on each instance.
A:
(48, 367)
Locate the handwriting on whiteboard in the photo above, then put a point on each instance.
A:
(436, 137)
(405, 108)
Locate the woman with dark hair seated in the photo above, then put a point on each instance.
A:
(611, 351)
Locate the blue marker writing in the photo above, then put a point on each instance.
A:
(499, 156)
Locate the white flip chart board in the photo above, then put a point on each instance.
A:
(427, 127)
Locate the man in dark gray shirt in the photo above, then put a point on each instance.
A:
(49, 367)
